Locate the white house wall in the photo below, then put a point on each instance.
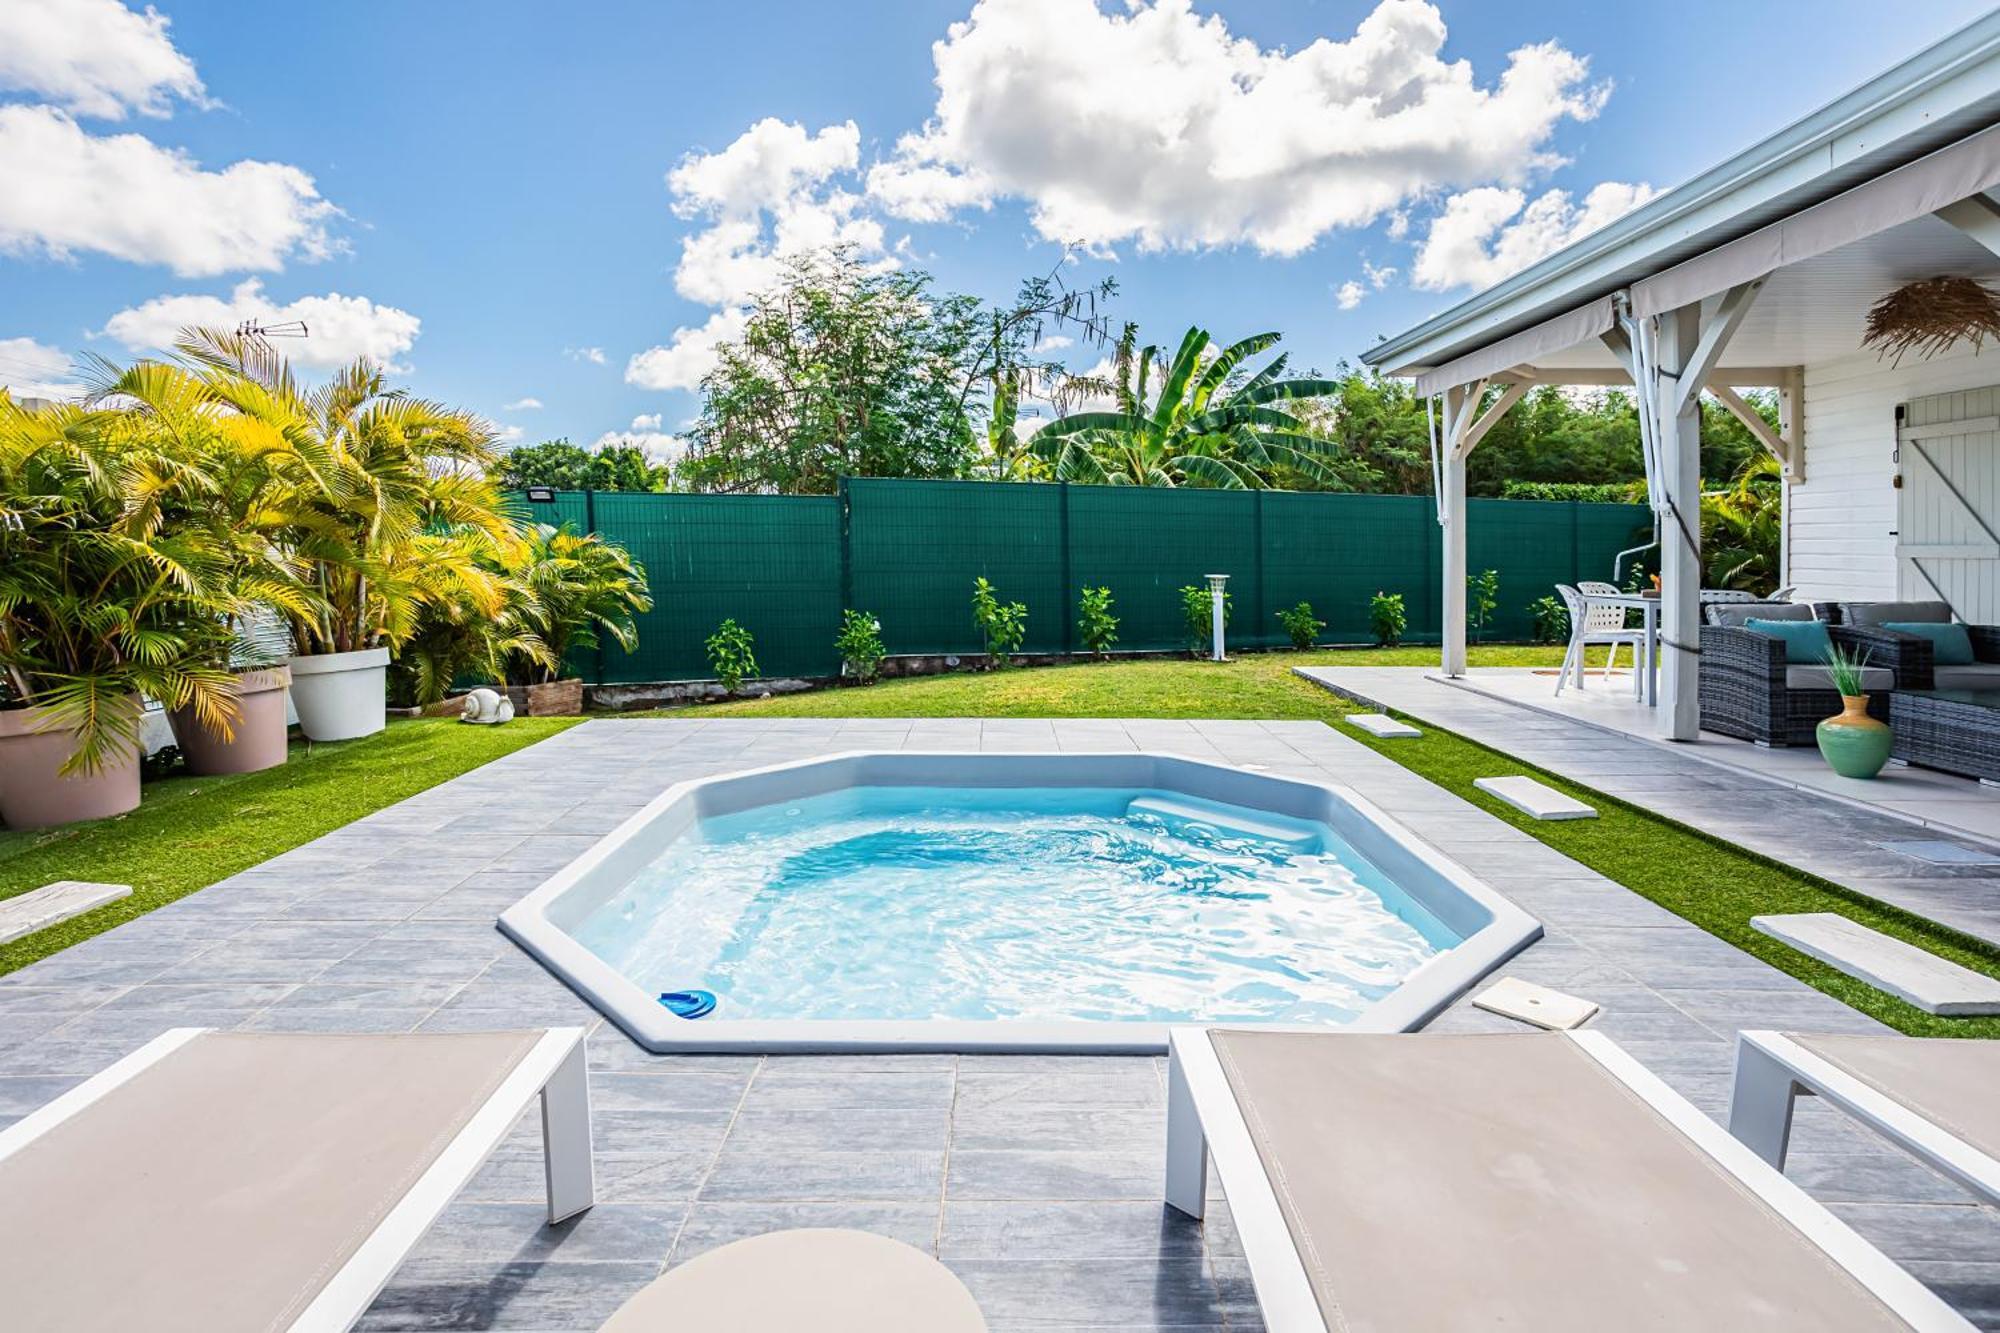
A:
(1843, 516)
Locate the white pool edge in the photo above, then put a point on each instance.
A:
(1385, 841)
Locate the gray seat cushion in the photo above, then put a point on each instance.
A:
(1819, 678)
(1974, 676)
(1882, 613)
(1733, 614)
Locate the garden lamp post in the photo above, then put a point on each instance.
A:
(1215, 596)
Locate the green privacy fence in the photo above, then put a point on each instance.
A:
(908, 551)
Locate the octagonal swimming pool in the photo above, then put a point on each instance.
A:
(907, 901)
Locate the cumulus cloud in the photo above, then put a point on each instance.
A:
(646, 421)
(657, 446)
(71, 192)
(1154, 125)
(94, 57)
(522, 405)
(339, 328)
(29, 369)
(1349, 294)
(775, 192)
(594, 355)
(1487, 234)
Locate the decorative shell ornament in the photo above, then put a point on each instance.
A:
(487, 708)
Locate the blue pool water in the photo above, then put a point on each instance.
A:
(1015, 903)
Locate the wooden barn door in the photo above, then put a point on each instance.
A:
(1948, 504)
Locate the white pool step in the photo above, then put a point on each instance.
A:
(1534, 798)
(1530, 1003)
(1231, 821)
(1382, 725)
(1933, 984)
(53, 904)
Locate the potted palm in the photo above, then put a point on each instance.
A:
(575, 588)
(101, 602)
(382, 506)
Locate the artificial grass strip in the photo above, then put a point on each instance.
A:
(190, 832)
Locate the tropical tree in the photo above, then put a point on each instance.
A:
(1208, 424)
(558, 463)
(574, 588)
(1743, 527)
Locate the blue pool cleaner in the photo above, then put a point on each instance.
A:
(688, 1003)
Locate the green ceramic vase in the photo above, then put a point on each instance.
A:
(1855, 745)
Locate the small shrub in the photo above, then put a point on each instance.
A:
(730, 655)
(860, 647)
(1197, 610)
(1388, 618)
(1549, 620)
(1300, 624)
(1482, 598)
(1002, 625)
(1095, 624)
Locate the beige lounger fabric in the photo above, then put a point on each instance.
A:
(1488, 1182)
(807, 1281)
(1949, 1081)
(220, 1188)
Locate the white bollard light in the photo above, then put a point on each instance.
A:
(1215, 595)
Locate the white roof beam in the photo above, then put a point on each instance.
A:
(1978, 217)
(1754, 422)
(1490, 417)
(1715, 336)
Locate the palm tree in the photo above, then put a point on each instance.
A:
(1743, 527)
(574, 587)
(1202, 429)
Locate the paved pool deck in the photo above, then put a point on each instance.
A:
(1036, 1178)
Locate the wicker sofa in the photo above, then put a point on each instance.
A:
(1910, 656)
(1749, 690)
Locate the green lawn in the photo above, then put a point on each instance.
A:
(1712, 883)
(190, 832)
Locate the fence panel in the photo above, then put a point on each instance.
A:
(908, 551)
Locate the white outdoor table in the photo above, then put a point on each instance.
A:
(1650, 608)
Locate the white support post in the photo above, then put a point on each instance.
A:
(1218, 611)
(1679, 434)
(1459, 405)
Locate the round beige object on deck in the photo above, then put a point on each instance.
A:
(822, 1279)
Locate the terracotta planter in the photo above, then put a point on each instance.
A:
(555, 698)
(1854, 744)
(34, 794)
(340, 696)
(257, 741)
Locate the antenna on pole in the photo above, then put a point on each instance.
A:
(261, 334)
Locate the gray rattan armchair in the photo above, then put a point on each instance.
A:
(1911, 656)
(1751, 690)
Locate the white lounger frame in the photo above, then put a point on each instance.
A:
(1204, 1121)
(554, 1068)
(1772, 1071)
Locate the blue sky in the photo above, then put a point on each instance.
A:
(485, 186)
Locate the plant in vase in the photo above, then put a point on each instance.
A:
(574, 588)
(100, 602)
(382, 505)
(1854, 744)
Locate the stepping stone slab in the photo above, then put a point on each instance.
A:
(1933, 984)
(38, 909)
(1534, 798)
(1381, 724)
(1534, 1004)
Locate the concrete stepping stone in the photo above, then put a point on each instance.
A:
(1545, 1008)
(1534, 798)
(1381, 724)
(38, 909)
(1933, 984)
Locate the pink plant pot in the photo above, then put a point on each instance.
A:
(256, 740)
(34, 793)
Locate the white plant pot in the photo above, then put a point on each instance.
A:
(339, 696)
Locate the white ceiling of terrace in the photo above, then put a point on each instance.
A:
(1814, 311)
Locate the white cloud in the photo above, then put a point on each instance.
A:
(29, 369)
(1149, 123)
(594, 355)
(122, 195)
(658, 447)
(339, 328)
(523, 405)
(773, 193)
(95, 57)
(506, 436)
(1349, 294)
(1487, 234)
(1378, 276)
(646, 421)
(1055, 342)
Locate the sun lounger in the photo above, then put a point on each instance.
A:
(1540, 1181)
(1937, 1097)
(221, 1181)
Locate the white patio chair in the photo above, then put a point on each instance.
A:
(1595, 624)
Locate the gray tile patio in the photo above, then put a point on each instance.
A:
(1035, 1178)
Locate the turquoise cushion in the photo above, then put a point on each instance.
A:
(1950, 644)
(1805, 640)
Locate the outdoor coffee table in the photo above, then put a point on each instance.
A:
(1957, 731)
